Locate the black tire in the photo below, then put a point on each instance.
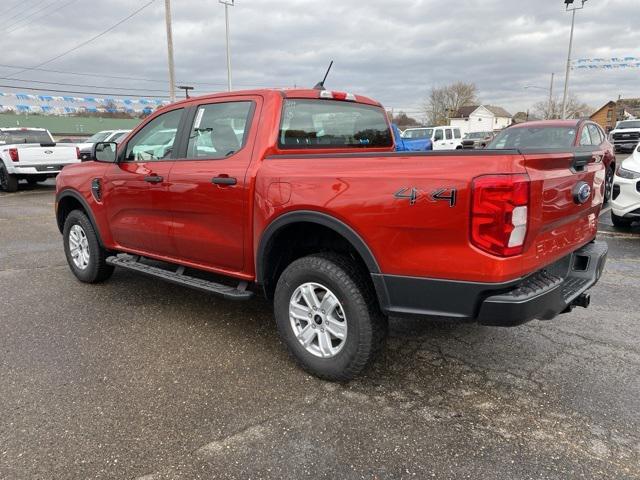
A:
(608, 183)
(366, 325)
(8, 183)
(620, 222)
(97, 269)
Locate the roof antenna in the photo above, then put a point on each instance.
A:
(320, 85)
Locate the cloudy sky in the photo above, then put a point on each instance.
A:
(394, 51)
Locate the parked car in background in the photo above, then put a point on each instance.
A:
(442, 138)
(311, 206)
(585, 135)
(477, 139)
(103, 136)
(422, 144)
(75, 141)
(626, 136)
(31, 154)
(625, 200)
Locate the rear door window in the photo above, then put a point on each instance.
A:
(332, 124)
(448, 133)
(585, 138)
(219, 129)
(596, 136)
(456, 133)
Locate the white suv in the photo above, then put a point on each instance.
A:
(442, 138)
(625, 200)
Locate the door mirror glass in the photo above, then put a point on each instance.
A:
(105, 152)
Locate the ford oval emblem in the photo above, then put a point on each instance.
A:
(48, 152)
(581, 193)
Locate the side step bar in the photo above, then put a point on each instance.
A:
(178, 277)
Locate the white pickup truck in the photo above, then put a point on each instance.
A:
(31, 154)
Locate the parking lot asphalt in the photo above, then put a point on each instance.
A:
(136, 378)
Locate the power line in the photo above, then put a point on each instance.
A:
(11, 28)
(34, 89)
(119, 77)
(82, 44)
(15, 15)
(83, 85)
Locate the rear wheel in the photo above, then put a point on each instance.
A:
(620, 222)
(8, 182)
(85, 255)
(328, 317)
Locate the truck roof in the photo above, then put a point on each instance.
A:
(309, 93)
(548, 123)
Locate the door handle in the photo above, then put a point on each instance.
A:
(224, 180)
(153, 178)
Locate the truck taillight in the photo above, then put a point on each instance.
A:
(78, 153)
(499, 213)
(13, 154)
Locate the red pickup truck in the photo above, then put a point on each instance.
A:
(299, 195)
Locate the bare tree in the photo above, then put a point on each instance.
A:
(443, 102)
(403, 120)
(575, 108)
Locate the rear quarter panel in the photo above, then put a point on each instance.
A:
(427, 239)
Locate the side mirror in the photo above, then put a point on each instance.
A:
(105, 152)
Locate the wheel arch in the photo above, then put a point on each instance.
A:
(268, 255)
(69, 200)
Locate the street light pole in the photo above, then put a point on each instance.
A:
(550, 90)
(172, 77)
(566, 77)
(227, 4)
(551, 97)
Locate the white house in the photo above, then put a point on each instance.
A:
(481, 118)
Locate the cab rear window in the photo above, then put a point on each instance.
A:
(332, 124)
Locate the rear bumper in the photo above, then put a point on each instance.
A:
(41, 169)
(543, 295)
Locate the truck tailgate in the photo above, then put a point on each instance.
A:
(34, 154)
(559, 221)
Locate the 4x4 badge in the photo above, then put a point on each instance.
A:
(442, 194)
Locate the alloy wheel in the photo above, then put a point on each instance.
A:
(318, 320)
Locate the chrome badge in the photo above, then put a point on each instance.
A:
(581, 193)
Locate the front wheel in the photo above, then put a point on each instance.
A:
(608, 184)
(85, 255)
(8, 182)
(328, 317)
(620, 222)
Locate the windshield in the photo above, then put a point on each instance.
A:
(419, 133)
(119, 137)
(539, 137)
(10, 137)
(98, 137)
(628, 124)
(477, 135)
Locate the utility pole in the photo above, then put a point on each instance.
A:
(227, 4)
(568, 3)
(551, 97)
(172, 76)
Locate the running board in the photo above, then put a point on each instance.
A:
(178, 277)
